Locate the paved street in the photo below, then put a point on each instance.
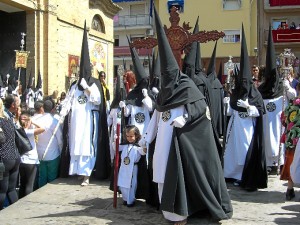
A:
(65, 202)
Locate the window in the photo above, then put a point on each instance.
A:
(277, 24)
(232, 36)
(117, 41)
(97, 24)
(137, 9)
(232, 4)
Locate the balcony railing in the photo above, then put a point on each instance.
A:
(288, 35)
(125, 51)
(132, 20)
(284, 2)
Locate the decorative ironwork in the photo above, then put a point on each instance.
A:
(179, 37)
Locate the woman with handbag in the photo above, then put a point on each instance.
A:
(29, 160)
(10, 158)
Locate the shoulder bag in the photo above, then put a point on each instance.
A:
(22, 141)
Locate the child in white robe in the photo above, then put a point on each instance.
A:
(130, 156)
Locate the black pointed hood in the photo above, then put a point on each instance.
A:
(176, 88)
(211, 70)
(189, 62)
(135, 96)
(272, 86)
(156, 74)
(85, 70)
(138, 67)
(244, 86)
(119, 94)
(30, 83)
(39, 81)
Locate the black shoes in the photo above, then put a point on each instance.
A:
(131, 205)
(290, 193)
(128, 205)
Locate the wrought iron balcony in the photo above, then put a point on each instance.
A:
(132, 20)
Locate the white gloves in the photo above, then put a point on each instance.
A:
(145, 92)
(142, 143)
(226, 100)
(243, 104)
(179, 122)
(286, 84)
(122, 104)
(155, 90)
(83, 84)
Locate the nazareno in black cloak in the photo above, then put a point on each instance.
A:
(102, 165)
(217, 97)
(194, 178)
(255, 171)
(192, 68)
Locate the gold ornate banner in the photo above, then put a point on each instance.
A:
(21, 58)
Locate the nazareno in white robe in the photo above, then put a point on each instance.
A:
(295, 166)
(139, 116)
(127, 179)
(83, 131)
(273, 127)
(239, 135)
(161, 128)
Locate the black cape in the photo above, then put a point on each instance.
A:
(194, 178)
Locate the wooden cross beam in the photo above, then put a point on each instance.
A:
(179, 37)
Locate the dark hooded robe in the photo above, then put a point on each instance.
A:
(192, 68)
(250, 168)
(194, 179)
(217, 91)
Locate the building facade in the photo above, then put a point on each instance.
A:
(226, 15)
(54, 31)
(280, 15)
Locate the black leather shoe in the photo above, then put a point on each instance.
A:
(131, 205)
(124, 203)
(290, 194)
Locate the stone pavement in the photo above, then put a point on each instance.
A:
(64, 201)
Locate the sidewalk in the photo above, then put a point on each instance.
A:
(64, 201)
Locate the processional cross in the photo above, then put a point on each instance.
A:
(179, 37)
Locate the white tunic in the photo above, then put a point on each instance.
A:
(239, 135)
(126, 171)
(295, 166)
(30, 98)
(272, 130)
(161, 128)
(83, 130)
(139, 116)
